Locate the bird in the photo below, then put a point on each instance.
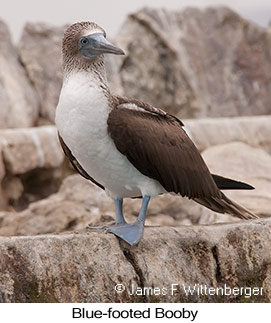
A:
(128, 148)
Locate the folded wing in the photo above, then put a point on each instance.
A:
(156, 144)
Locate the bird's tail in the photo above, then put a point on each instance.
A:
(224, 204)
(224, 183)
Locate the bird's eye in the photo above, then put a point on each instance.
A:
(83, 40)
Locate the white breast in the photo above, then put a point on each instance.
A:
(81, 119)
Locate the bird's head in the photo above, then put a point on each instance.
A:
(86, 41)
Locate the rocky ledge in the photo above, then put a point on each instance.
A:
(87, 266)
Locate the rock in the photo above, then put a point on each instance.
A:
(31, 165)
(40, 52)
(242, 162)
(86, 266)
(50, 258)
(230, 74)
(18, 99)
(152, 62)
(254, 131)
(77, 204)
(27, 149)
(3, 202)
(197, 62)
(112, 66)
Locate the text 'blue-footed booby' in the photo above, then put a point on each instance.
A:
(127, 147)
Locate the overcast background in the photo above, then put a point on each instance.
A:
(111, 14)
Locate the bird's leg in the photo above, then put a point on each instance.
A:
(119, 215)
(130, 232)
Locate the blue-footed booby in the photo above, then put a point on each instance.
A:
(127, 147)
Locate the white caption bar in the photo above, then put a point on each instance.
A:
(134, 312)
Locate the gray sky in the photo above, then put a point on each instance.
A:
(111, 14)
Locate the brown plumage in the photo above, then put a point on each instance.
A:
(157, 145)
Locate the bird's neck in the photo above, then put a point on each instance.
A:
(95, 68)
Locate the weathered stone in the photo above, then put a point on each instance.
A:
(31, 165)
(254, 131)
(27, 149)
(42, 271)
(227, 61)
(112, 66)
(3, 202)
(242, 162)
(86, 266)
(40, 52)
(77, 204)
(151, 70)
(197, 62)
(18, 99)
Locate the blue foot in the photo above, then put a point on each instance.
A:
(129, 232)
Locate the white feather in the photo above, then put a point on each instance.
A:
(81, 119)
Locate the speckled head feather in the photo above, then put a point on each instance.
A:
(70, 47)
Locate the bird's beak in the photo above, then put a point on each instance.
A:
(96, 44)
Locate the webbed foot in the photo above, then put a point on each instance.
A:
(129, 232)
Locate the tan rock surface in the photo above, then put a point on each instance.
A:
(40, 52)
(30, 165)
(85, 267)
(206, 62)
(242, 162)
(152, 62)
(27, 149)
(18, 99)
(254, 131)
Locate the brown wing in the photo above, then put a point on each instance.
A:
(157, 145)
(75, 163)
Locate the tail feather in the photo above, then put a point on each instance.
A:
(224, 183)
(224, 204)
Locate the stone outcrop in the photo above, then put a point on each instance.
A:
(30, 163)
(248, 164)
(254, 131)
(19, 106)
(40, 52)
(86, 266)
(197, 62)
